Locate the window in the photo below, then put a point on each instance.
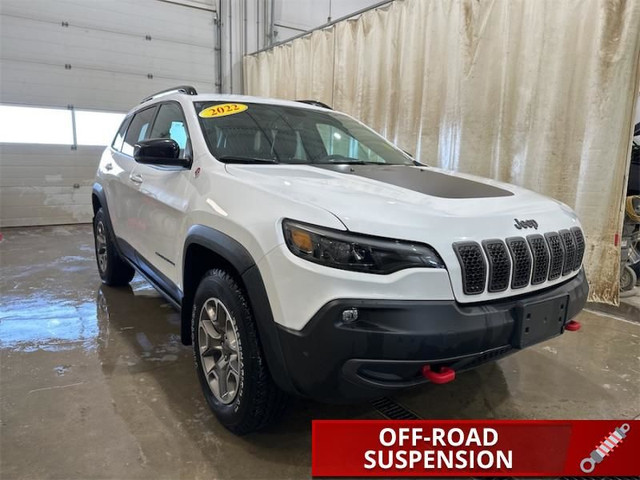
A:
(283, 134)
(337, 142)
(96, 128)
(119, 140)
(138, 129)
(54, 126)
(170, 123)
(35, 125)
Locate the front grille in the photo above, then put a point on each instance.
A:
(540, 253)
(557, 254)
(533, 260)
(569, 243)
(579, 237)
(499, 265)
(521, 271)
(474, 267)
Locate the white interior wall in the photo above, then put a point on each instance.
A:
(103, 55)
(46, 184)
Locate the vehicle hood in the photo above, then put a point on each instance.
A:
(419, 204)
(411, 203)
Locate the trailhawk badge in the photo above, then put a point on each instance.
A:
(520, 224)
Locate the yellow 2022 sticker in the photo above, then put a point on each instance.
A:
(223, 110)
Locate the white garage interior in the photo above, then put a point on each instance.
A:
(86, 66)
(90, 62)
(95, 381)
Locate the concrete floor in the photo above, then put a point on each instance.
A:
(95, 383)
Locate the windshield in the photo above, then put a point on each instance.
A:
(258, 133)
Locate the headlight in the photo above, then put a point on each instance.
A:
(360, 253)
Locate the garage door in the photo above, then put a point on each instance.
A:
(99, 57)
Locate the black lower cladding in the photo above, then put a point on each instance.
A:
(386, 347)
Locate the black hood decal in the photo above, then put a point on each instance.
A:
(422, 180)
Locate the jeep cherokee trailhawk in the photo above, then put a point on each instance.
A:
(310, 256)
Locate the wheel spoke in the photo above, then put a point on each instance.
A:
(209, 328)
(233, 365)
(230, 337)
(214, 382)
(209, 345)
(221, 370)
(221, 317)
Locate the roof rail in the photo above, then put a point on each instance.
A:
(315, 103)
(189, 90)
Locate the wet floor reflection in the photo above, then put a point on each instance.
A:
(101, 372)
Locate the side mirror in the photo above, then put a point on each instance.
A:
(159, 151)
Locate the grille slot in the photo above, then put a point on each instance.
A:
(521, 262)
(499, 264)
(540, 253)
(474, 267)
(556, 250)
(579, 238)
(569, 244)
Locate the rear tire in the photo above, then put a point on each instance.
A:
(230, 364)
(114, 271)
(627, 279)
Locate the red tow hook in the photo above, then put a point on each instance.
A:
(444, 375)
(573, 326)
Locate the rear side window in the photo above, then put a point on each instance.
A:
(170, 123)
(138, 130)
(117, 142)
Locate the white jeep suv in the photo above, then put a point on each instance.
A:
(310, 256)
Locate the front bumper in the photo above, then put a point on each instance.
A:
(391, 340)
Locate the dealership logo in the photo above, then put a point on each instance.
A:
(520, 224)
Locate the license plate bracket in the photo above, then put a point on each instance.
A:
(539, 321)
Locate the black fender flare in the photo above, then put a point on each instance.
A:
(243, 263)
(98, 192)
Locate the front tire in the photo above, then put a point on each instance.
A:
(230, 364)
(114, 271)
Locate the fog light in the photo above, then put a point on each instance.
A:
(350, 315)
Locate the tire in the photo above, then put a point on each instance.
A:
(636, 269)
(627, 278)
(114, 271)
(229, 361)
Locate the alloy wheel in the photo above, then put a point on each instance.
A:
(218, 350)
(101, 246)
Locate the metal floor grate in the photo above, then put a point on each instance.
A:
(392, 410)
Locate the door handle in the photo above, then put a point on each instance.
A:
(108, 166)
(135, 178)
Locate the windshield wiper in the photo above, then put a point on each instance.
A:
(245, 160)
(349, 162)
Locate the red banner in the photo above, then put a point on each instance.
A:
(385, 448)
